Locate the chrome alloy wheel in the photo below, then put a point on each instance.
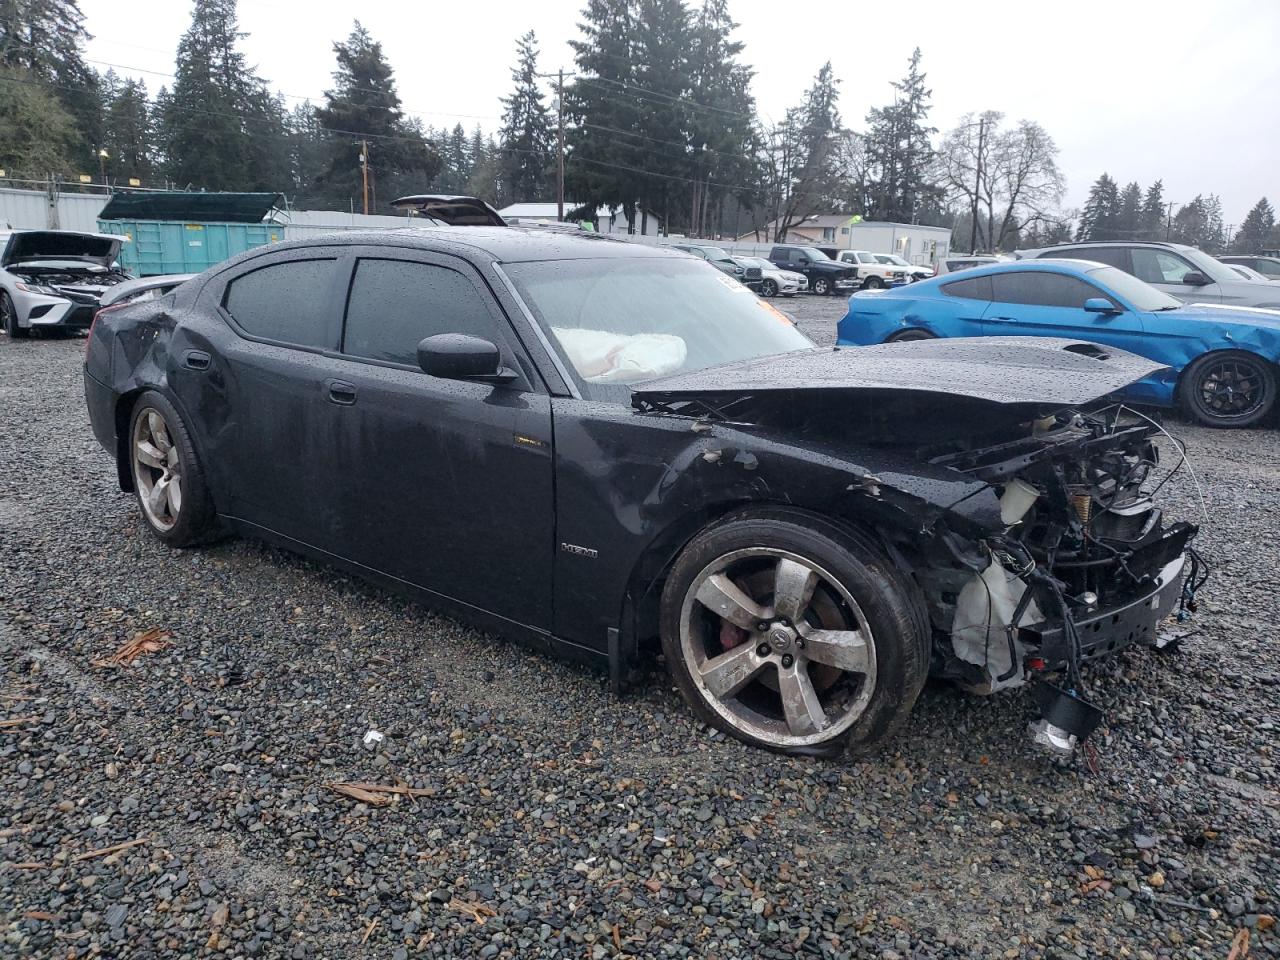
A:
(777, 647)
(157, 470)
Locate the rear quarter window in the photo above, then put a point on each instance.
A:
(288, 301)
(972, 288)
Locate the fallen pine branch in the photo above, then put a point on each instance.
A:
(149, 641)
(376, 793)
(1240, 945)
(476, 911)
(107, 851)
(17, 722)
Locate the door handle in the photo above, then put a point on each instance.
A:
(196, 360)
(1004, 319)
(341, 392)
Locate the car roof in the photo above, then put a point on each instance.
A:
(1161, 244)
(503, 244)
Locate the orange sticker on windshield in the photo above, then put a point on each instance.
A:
(766, 305)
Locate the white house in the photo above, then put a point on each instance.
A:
(606, 221)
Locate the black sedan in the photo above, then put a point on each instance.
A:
(608, 451)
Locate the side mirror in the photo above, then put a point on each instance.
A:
(1196, 279)
(803, 261)
(1100, 305)
(457, 356)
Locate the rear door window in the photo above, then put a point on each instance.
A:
(394, 304)
(290, 302)
(1036, 288)
(1111, 256)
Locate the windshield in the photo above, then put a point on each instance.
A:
(1138, 294)
(813, 253)
(623, 321)
(1211, 268)
(716, 253)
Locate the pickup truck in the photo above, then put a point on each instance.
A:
(825, 276)
(871, 271)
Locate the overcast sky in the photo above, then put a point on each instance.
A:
(1143, 89)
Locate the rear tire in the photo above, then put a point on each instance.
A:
(9, 318)
(1230, 388)
(906, 336)
(173, 496)
(846, 636)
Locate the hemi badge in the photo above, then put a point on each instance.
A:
(524, 441)
(578, 551)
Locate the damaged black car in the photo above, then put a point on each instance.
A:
(616, 453)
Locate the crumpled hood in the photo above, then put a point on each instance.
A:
(24, 245)
(999, 370)
(1250, 316)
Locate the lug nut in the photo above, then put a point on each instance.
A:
(788, 660)
(762, 625)
(764, 650)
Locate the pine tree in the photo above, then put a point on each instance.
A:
(363, 110)
(603, 107)
(1129, 213)
(662, 51)
(37, 134)
(40, 42)
(899, 148)
(803, 155)
(127, 128)
(1256, 231)
(1101, 209)
(1153, 212)
(526, 130)
(218, 119)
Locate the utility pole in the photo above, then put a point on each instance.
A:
(977, 186)
(559, 77)
(364, 173)
(1168, 222)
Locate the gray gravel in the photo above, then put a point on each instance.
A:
(554, 819)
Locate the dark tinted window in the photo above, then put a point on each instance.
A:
(1111, 256)
(285, 301)
(396, 303)
(975, 288)
(1041, 289)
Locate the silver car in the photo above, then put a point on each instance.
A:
(1183, 272)
(54, 279)
(774, 280)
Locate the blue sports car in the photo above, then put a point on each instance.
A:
(1222, 361)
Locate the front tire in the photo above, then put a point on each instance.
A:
(1231, 388)
(873, 283)
(821, 286)
(173, 496)
(792, 634)
(769, 289)
(9, 318)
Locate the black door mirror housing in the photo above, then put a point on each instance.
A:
(458, 356)
(1196, 279)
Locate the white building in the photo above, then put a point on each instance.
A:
(607, 221)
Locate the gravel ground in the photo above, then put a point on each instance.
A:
(551, 818)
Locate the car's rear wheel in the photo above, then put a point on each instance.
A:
(9, 318)
(907, 335)
(1232, 388)
(793, 634)
(821, 286)
(170, 485)
(873, 283)
(769, 289)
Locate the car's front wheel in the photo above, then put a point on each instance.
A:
(821, 286)
(769, 289)
(793, 634)
(172, 493)
(905, 336)
(1232, 388)
(873, 283)
(9, 318)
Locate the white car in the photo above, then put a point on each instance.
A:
(872, 274)
(53, 280)
(774, 280)
(915, 271)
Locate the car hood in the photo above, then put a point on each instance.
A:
(1250, 316)
(1012, 371)
(27, 245)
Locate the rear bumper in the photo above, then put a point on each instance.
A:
(101, 401)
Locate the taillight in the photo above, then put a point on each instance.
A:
(94, 322)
